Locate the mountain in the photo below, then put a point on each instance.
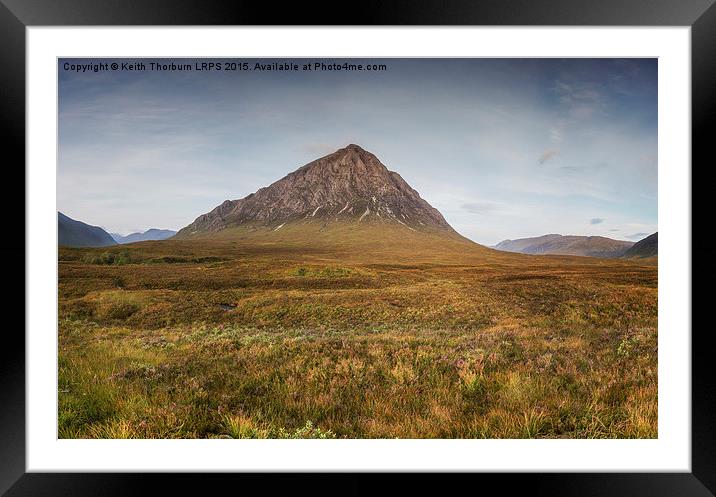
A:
(349, 187)
(592, 246)
(150, 234)
(521, 244)
(647, 247)
(72, 233)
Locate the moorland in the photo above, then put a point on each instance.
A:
(306, 333)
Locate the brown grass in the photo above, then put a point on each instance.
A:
(253, 336)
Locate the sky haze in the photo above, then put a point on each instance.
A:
(503, 148)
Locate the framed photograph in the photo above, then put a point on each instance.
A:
(436, 240)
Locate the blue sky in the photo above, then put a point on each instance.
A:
(504, 148)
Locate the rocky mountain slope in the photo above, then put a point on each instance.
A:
(73, 233)
(349, 186)
(647, 247)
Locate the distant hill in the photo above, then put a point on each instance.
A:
(150, 234)
(647, 247)
(591, 246)
(72, 233)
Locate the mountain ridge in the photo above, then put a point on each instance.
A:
(152, 234)
(555, 244)
(350, 185)
(646, 247)
(74, 233)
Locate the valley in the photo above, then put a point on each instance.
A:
(337, 303)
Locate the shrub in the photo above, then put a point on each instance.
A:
(242, 427)
(108, 258)
(307, 431)
(121, 310)
(626, 346)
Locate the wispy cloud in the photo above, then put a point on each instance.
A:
(547, 155)
(495, 144)
(479, 207)
(556, 133)
(581, 98)
(637, 236)
(596, 220)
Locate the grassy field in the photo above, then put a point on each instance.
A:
(285, 335)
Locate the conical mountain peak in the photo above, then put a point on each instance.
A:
(348, 186)
(353, 147)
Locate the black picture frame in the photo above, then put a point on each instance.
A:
(17, 15)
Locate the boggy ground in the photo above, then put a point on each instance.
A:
(254, 337)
